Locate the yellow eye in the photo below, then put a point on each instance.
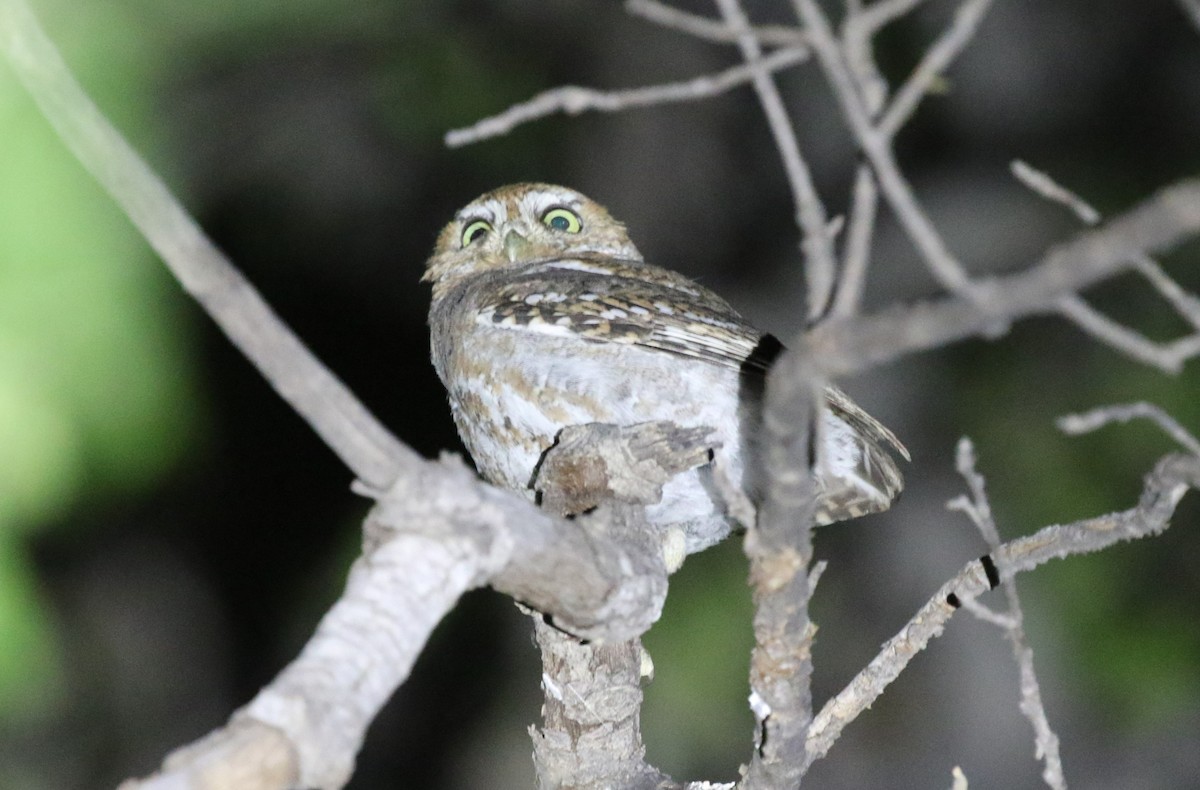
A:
(562, 219)
(475, 231)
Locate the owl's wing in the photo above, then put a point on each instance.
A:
(610, 301)
(627, 302)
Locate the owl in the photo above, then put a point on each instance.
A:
(545, 315)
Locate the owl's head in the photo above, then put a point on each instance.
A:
(520, 224)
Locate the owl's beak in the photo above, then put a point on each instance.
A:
(516, 247)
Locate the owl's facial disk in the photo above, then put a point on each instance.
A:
(521, 224)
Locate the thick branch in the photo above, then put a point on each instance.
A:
(779, 547)
(591, 733)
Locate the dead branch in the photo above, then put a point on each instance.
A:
(573, 100)
(976, 507)
(1155, 225)
(816, 240)
(1172, 476)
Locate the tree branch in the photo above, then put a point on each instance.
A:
(816, 241)
(574, 100)
(1172, 476)
(779, 547)
(710, 29)
(979, 511)
(1155, 225)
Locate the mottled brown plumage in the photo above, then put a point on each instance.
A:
(545, 315)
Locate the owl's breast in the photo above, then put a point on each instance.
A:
(513, 390)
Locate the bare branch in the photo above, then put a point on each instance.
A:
(979, 510)
(817, 243)
(948, 46)
(1192, 7)
(591, 733)
(1076, 424)
(574, 100)
(877, 15)
(1168, 357)
(1157, 224)
(710, 29)
(878, 150)
(1185, 304)
(431, 537)
(1164, 486)
(779, 547)
(857, 252)
(1043, 184)
(981, 611)
(363, 444)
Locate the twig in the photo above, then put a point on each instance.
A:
(877, 147)
(1076, 424)
(1043, 184)
(352, 432)
(857, 252)
(573, 100)
(877, 15)
(1155, 225)
(955, 38)
(979, 511)
(1185, 304)
(810, 213)
(1168, 357)
(710, 29)
(1172, 476)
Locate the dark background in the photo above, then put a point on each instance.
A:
(191, 530)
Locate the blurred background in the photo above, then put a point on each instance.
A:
(170, 532)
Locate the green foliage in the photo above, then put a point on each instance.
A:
(695, 712)
(94, 386)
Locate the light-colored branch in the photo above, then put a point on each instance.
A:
(817, 242)
(979, 511)
(1156, 225)
(1164, 487)
(856, 256)
(947, 47)
(431, 537)
(877, 147)
(710, 29)
(1167, 357)
(1086, 422)
(877, 15)
(1043, 184)
(1185, 304)
(1192, 8)
(363, 444)
(779, 547)
(573, 100)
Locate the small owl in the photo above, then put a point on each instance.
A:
(545, 315)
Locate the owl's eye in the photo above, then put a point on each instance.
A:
(476, 230)
(562, 219)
